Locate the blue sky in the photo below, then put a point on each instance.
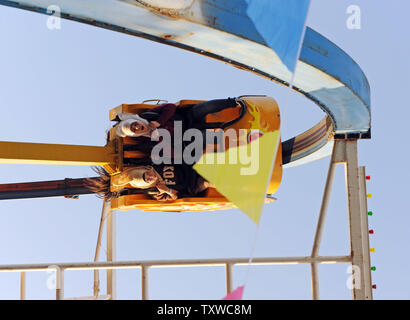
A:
(57, 87)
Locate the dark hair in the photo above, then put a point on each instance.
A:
(101, 184)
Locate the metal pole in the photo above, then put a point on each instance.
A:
(315, 280)
(144, 282)
(355, 221)
(325, 204)
(321, 222)
(96, 287)
(111, 253)
(229, 280)
(365, 235)
(62, 154)
(174, 263)
(59, 283)
(22, 285)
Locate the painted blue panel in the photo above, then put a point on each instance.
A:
(274, 23)
(280, 23)
(230, 16)
(326, 56)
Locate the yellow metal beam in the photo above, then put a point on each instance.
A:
(62, 154)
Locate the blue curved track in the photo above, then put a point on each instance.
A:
(231, 32)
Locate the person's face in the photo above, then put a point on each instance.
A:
(150, 176)
(138, 127)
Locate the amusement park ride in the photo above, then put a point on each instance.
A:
(326, 75)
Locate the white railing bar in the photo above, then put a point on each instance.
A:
(173, 263)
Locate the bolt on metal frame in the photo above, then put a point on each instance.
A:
(344, 152)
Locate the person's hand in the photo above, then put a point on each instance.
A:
(162, 188)
(165, 193)
(165, 196)
(173, 195)
(160, 196)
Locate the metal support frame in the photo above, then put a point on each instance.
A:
(59, 283)
(228, 264)
(321, 224)
(229, 278)
(144, 282)
(96, 288)
(345, 152)
(45, 153)
(111, 253)
(22, 286)
(365, 232)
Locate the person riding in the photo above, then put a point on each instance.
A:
(146, 124)
(133, 125)
(145, 177)
(161, 182)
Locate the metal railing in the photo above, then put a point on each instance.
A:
(344, 152)
(145, 266)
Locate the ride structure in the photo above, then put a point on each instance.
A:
(255, 110)
(225, 31)
(119, 152)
